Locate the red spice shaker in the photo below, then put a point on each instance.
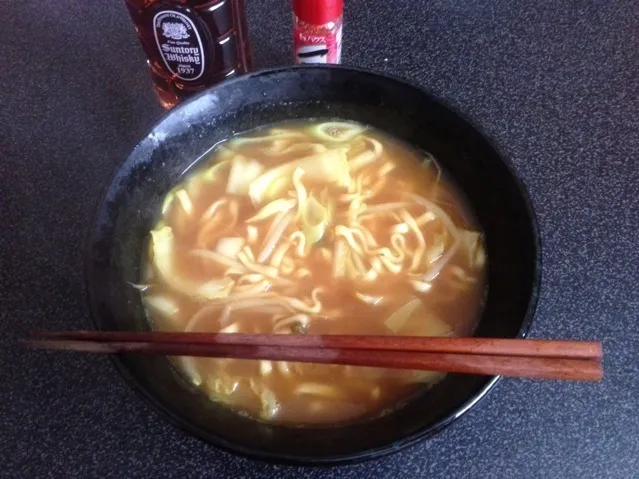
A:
(317, 30)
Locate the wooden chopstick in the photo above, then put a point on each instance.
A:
(529, 362)
(489, 346)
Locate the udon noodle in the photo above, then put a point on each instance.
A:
(313, 228)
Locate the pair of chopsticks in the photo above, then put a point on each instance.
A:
(545, 359)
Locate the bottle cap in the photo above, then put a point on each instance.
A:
(318, 12)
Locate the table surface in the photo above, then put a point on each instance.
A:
(555, 82)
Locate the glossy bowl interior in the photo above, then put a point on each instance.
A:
(399, 108)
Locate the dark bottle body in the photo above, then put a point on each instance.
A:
(191, 44)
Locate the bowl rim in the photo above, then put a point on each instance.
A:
(367, 454)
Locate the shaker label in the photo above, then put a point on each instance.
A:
(179, 44)
(313, 48)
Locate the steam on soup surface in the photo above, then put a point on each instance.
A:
(313, 228)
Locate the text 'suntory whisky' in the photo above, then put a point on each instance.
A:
(191, 44)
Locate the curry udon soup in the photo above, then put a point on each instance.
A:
(313, 228)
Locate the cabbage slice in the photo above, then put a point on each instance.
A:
(163, 242)
(162, 305)
(398, 319)
(243, 172)
(329, 167)
(315, 219)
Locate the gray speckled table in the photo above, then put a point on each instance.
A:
(555, 82)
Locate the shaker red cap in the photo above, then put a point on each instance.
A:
(318, 12)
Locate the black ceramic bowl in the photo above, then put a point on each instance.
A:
(392, 105)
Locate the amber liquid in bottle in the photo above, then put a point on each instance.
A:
(191, 44)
